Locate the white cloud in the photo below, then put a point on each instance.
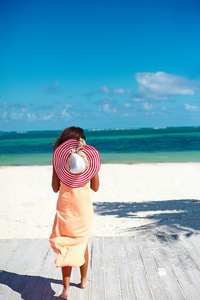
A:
(119, 91)
(15, 115)
(167, 109)
(138, 99)
(105, 90)
(66, 115)
(160, 85)
(5, 115)
(147, 106)
(127, 105)
(127, 115)
(17, 112)
(191, 108)
(31, 116)
(108, 109)
(23, 114)
(47, 117)
(122, 91)
(67, 106)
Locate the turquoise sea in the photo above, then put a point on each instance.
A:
(139, 145)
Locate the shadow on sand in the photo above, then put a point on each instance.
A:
(170, 217)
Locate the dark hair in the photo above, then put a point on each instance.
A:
(69, 133)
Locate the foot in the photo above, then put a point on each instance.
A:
(64, 294)
(85, 283)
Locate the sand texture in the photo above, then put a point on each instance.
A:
(132, 199)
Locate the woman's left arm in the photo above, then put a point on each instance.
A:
(94, 183)
(55, 182)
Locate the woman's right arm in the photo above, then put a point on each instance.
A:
(94, 183)
(55, 182)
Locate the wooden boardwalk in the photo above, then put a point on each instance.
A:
(139, 267)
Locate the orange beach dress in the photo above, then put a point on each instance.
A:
(72, 225)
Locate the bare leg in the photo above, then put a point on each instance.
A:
(83, 270)
(66, 272)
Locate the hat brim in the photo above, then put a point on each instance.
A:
(60, 157)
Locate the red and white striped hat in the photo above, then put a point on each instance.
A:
(76, 163)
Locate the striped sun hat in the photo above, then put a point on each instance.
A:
(76, 163)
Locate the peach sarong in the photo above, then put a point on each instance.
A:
(72, 225)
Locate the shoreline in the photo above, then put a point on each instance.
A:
(132, 199)
(105, 163)
(45, 159)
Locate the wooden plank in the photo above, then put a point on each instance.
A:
(124, 266)
(137, 268)
(155, 282)
(191, 249)
(2, 242)
(112, 283)
(9, 262)
(188, 287)
(164, 270)
(140, 267)
(55, 284)
(79, 293)
(182, 254)
(18, 269)
(83, 294)
(74, 283)
(98, 274)
(5, 246)
(41, 283)
(190, 268)
(195, 239)
(9, 252)
(28, 284)
(13, 266)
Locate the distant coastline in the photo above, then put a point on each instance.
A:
(136, 145)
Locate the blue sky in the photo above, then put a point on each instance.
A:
(99, 64)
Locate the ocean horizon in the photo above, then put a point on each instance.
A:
(120, 145)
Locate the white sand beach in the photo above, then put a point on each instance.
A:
(132, 199)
